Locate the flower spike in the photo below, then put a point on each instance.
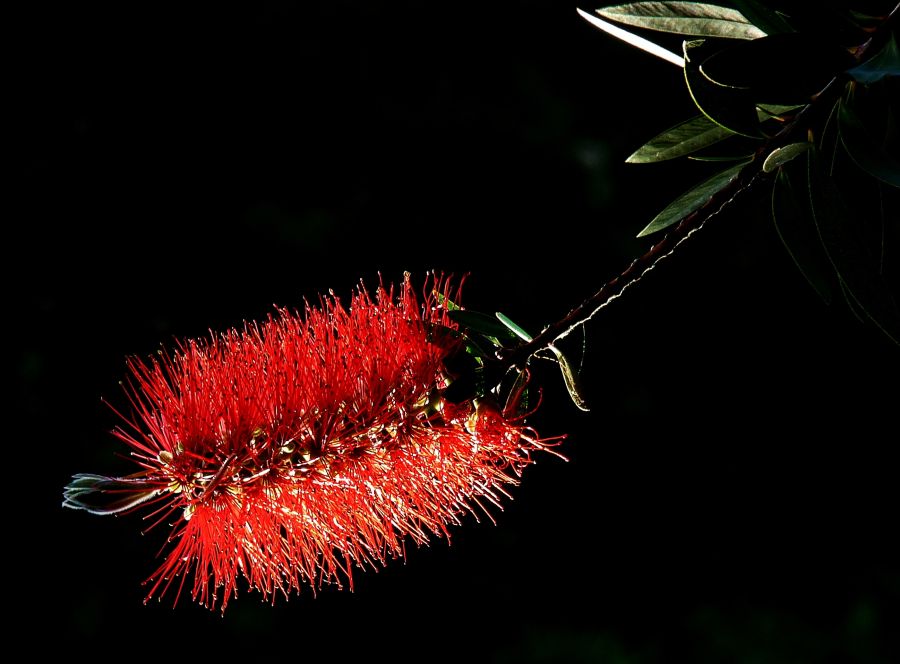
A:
(295, 450)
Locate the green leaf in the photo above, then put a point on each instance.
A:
(781, 69)
(797, 230)
(767, 20)
(513, 327)
(692, 200)
(839, 231)
(776, 110)
(684, 18)
(783, 155)
(729, 107)
(481, 323)
(445, 301)
(865, 150)
(468, 385)
(883, 64)
(727, 158)
(682, 139)
(692, 135)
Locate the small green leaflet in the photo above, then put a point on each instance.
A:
(684, 18)
(783, 155)
(692, 200)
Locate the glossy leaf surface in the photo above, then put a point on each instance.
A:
(684, 18)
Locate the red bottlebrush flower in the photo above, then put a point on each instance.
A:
(296, 449)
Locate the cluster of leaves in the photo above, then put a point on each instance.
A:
(803, 96)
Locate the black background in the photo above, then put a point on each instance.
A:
(729, 498)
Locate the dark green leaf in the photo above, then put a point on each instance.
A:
(776, 110)
(883, 64)
(781, 69)
(797, 230)
(783, 155)
(866, 150)
(481, 347)
(767, 20)
(692, 200)
(684, 18)
(682, 139)
(775, 116)
(481, 323)
(732, 108)
(468, 385)
(721, 158)
(856, 267)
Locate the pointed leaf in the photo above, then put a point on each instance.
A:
(569, 379)
(692, 200)
(883, 64)
(864, 148)
(856, 267)
(633, 39)
(776, 110)
(692, 135)
(513, 327)
(730, 107)
(481, 323)
(684, 18)
(783, 155)
(725, 158)
(684, 138)
(797, 230)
